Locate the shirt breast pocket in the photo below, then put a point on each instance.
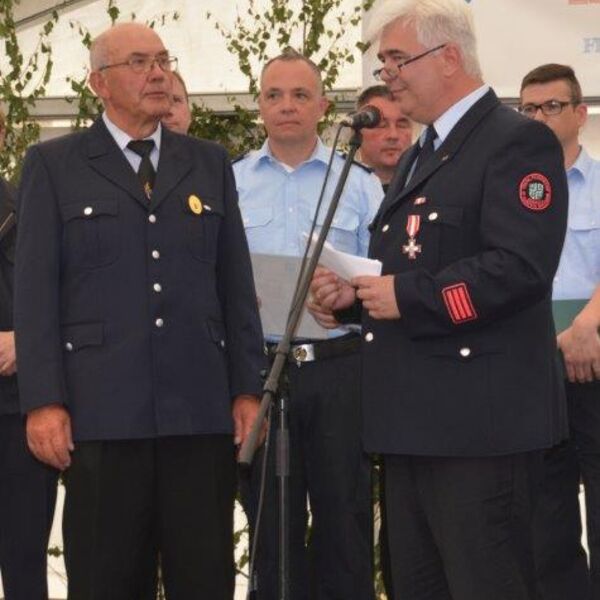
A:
(202, 223)
(91, 233)
(257, 224)
(343, 233)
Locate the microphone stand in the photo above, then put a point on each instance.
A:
(271, 386)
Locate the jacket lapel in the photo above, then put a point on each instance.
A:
(442, 156)
(107, 159)
(174, 163)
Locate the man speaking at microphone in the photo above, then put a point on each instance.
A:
(461, 386)
(279, 187)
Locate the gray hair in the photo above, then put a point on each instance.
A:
(435, 21)
(99, 52)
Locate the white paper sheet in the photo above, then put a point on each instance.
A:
(275, 281)
(343, 264)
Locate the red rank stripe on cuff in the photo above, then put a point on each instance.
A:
(458, 302)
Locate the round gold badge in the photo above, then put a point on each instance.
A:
(195, 204)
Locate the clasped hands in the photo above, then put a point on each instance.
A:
(329, 292)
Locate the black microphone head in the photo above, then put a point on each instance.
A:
(368, 116)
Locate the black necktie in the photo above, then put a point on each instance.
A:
(146, 173)
(427, 149)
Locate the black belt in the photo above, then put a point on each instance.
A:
(319, 350)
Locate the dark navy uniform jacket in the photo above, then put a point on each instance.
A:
(470, 367)
(9, 401)
(140, 316)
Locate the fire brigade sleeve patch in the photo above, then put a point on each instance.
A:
(535, 192)
(458, 303)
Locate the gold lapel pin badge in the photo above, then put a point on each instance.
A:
(195, 204)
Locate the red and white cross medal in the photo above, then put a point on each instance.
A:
(412, 228)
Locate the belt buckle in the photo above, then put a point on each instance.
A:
(303, 353)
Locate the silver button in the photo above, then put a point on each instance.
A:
(385, 228)
(159, 322)
(222, 343)
(88, 210)
(465, 352)
(369, 337)
(152, 218)
(155, 254)
(69, 347)
(157, 287)
(432, 216)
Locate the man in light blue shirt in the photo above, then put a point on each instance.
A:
(552, 94)
(279, 187)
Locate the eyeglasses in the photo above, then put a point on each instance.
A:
(144, 64)
(400, 64)
(548, 108)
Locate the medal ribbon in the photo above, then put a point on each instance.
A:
(413, 224)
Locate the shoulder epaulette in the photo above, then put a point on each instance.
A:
(238, 158)
(357, 163)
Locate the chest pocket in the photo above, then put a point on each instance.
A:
(441, 234)
(202, 222)
(343, 233)
(257, 223)
(91, 233)
(584, 225)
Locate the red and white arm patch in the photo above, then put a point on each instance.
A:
(535, 192)
(458, 303)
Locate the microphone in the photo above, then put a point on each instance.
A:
(368, 116)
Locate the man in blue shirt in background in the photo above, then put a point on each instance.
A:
(279, 187)
(551, 94)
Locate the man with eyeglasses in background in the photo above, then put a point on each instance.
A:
(552, 94)
(461, 383)
(138, 335)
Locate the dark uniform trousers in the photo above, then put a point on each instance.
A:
(327, 463)
(561, 562)
(459, 528)
(175, 493)
(27, 488)
(27, 497)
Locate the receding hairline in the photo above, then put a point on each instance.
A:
(290, 55)
(100, 48)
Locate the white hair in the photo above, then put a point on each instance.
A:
(435, 21)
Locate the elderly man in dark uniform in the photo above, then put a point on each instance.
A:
(461, 385)
(27, 487)
(138, 334)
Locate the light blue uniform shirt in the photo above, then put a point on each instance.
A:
(578, 272)
(278, 203)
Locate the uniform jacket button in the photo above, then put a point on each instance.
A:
(465, 352)
(369, 337)
(69, 347)
(152, 218)
(159, 322)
